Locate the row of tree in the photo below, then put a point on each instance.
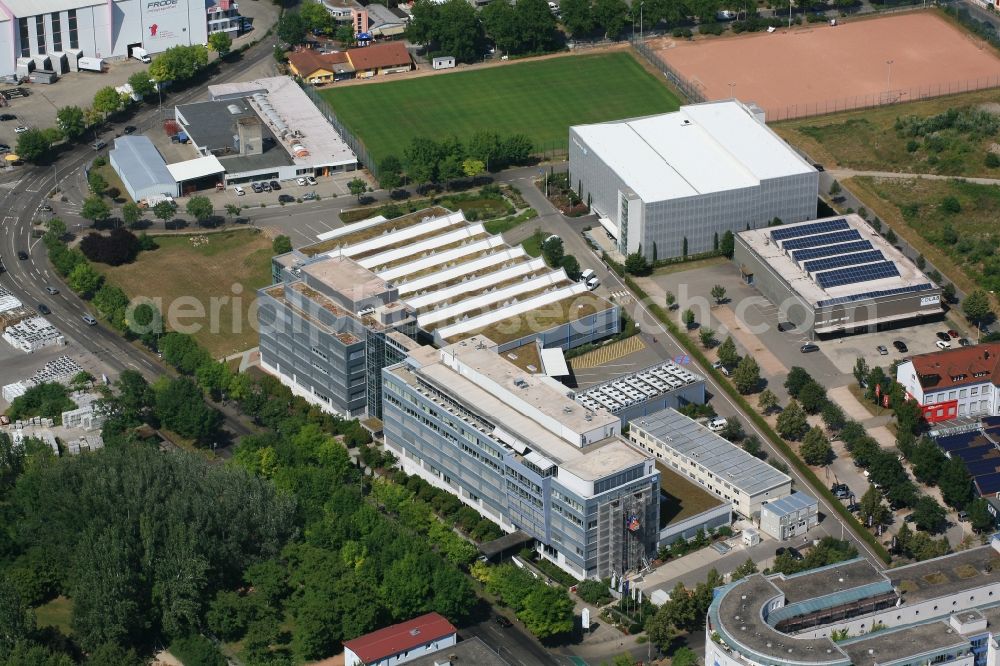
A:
(429, 161)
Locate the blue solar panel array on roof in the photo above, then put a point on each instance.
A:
(842, 260)
(960, 441)
(821, 239)
(809, 229)
(983, 466)
(830, 250)
(987, 484)
(855, 274)
(851, 298)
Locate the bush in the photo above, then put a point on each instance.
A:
(992, 160)
(682, 33)
(594, 592)
(951, 205)
(196, 650)
(711, 28)
(49, 400)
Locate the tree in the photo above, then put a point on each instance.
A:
(815, 448)
(345, 35)
(728, 244)
(733, 431)
(500, 22)
(812, 396)
(33, 145)
(872, 508)
(452, 27)
(670, 299)
(200, 208)
(165, 210)
(833, 416)
(70, 120)
(281, 244)
(131, 214)
(357, 187)
(767, 401)
(117, 248)
(979, 515)
(141, 84)
(107, 100)
(390, 171)
(744, 570)
(727, 352)
(797, 378)
(576, 16)
(95, 209)
(688, 318)
(834, 188)
(552, 251)
(84, 279)
(928, 515)
(536, 26)
(753, 446)
(955, 484)
(472, 167)
(422, 157)
(861, 371)
(182, 409)
(928, 461)
(746, 377)
(610, 16)
(55, 229)
(791, 423)
(570, 264)
(976, 307)
(636, 264)
(317, 18)
(547, 612)
(222, 43)
(707, 336)
(719, 293)
(292, 28)
(233, 211)
(685, 656)
(98, 185)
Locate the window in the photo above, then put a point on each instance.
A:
(40, 32)
(74, 37)
(56, 32)
(22, 26)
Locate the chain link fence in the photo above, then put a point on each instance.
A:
(349, 138)
(689, 89)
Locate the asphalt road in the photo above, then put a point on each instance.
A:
(20, 202)
(513, 643)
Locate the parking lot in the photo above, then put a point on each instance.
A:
(918, 338)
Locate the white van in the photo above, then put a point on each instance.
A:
(593, 283)
(587, 274)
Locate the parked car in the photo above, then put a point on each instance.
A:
(97, 145)
(819, 167)
(4, 148)
(239, 191)
(854, 507)
(809, 347)
(502, 621)
(792, 552)
(943, 344)
(275, 185)
(22, 255)
(310, 196)
(129, 129)
(266, 186)
(45, 208)
(51, 291)
(7, 116)
(717, 424)
(900, 346)
(301, 181)
(593, 283)
(20, 129)
(310, 180)
(943, 335)
(721, 368)
(952, 333)
(256, 187)
(962, 516)
(44, 309)
(286, 198)
(964, 342)
(882, 350)
(89, 320)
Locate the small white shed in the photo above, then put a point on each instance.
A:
(443, 62)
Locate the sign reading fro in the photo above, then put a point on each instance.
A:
(165, 23)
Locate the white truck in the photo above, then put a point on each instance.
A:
(140, 54)
(91, 64)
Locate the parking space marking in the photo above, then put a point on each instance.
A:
(7, 219)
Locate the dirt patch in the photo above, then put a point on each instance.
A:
(789, 73)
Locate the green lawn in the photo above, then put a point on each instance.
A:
(540, 99)
(56, 613)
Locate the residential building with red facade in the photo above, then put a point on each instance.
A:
(954, 382)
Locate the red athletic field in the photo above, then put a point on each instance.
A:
(819, 68)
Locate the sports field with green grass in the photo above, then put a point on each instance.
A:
(540, 99)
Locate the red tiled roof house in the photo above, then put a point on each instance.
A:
(954, 382)
(377, 59)
(401, 642)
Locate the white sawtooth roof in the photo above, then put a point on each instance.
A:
(492, 298)
(699, 149)
(438, 259)
(482, 282)
(433, 224)
(352, 228)
(426, 281)
(541, 300)
(426, 245)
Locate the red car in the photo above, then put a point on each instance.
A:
(952, 332)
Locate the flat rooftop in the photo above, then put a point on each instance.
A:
(682, 498)
(699, 149)
(212, 125)
(616, 395)
(468, 651)
(293, 118)
(948, 574)
(724, 459)
(346, 277)
(836, 259)
(884, 647)
(827, 580)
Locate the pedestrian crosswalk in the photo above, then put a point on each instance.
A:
(621, 296)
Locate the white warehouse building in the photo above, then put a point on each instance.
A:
(53, 34)
(685, 178)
